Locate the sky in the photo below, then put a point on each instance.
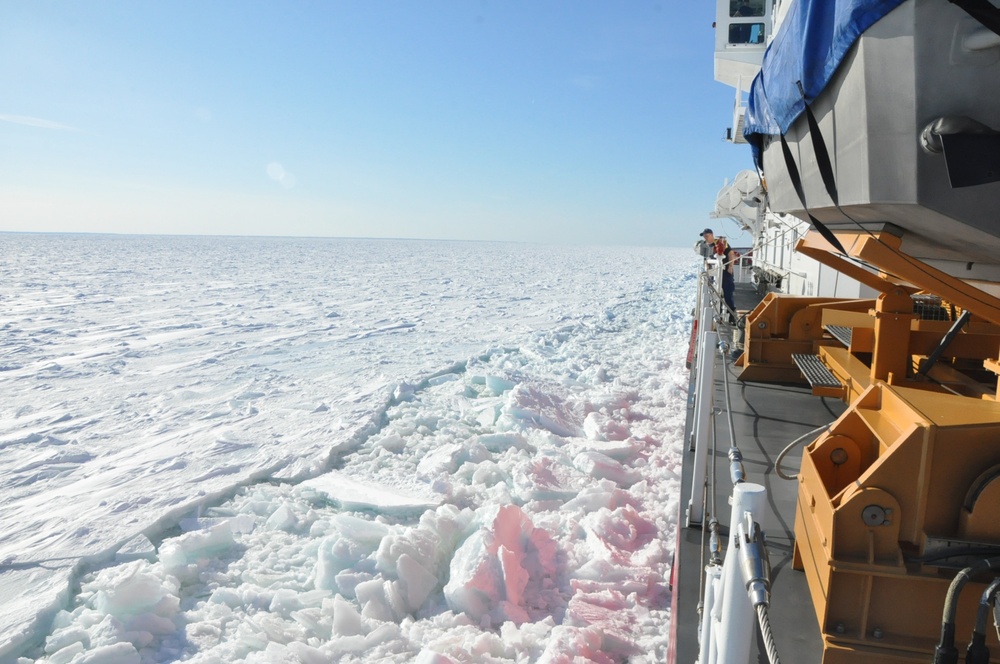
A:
(571, 122)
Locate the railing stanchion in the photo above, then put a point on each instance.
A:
(738, 616)
(703, 422)
(707, 651)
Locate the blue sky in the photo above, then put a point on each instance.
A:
(582, 122)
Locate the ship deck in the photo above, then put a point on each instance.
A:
(766, 418)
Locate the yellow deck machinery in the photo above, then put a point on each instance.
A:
(903, 490)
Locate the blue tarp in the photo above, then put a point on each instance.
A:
(810, 45)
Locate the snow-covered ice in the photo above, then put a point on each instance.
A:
(314, 450)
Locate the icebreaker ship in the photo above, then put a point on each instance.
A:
(874, 128)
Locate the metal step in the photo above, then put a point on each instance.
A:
(815, 371)
(841, 333)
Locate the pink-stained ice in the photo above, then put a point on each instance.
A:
(478, 468)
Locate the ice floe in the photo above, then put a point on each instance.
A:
(465, 464)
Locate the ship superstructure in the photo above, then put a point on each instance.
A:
(874, 203)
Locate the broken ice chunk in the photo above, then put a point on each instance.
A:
(353, 494)
(598, 426)
(139, 547)
(493, 569)
(602, 466)
(177, 553)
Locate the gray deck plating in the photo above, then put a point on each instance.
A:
(766, 418)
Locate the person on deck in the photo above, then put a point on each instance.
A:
(727, 254)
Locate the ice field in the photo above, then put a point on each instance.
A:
(313, 450)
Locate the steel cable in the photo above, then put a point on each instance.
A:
(791, 446)
(765, 631)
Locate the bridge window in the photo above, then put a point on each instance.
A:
(742, 8)
(746, 33)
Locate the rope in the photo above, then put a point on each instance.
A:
(715, 457)
(765, 632)
(737, 473)
(729, 402)
(791, 446)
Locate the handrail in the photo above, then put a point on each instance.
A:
(718, 301)
(727, 621)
